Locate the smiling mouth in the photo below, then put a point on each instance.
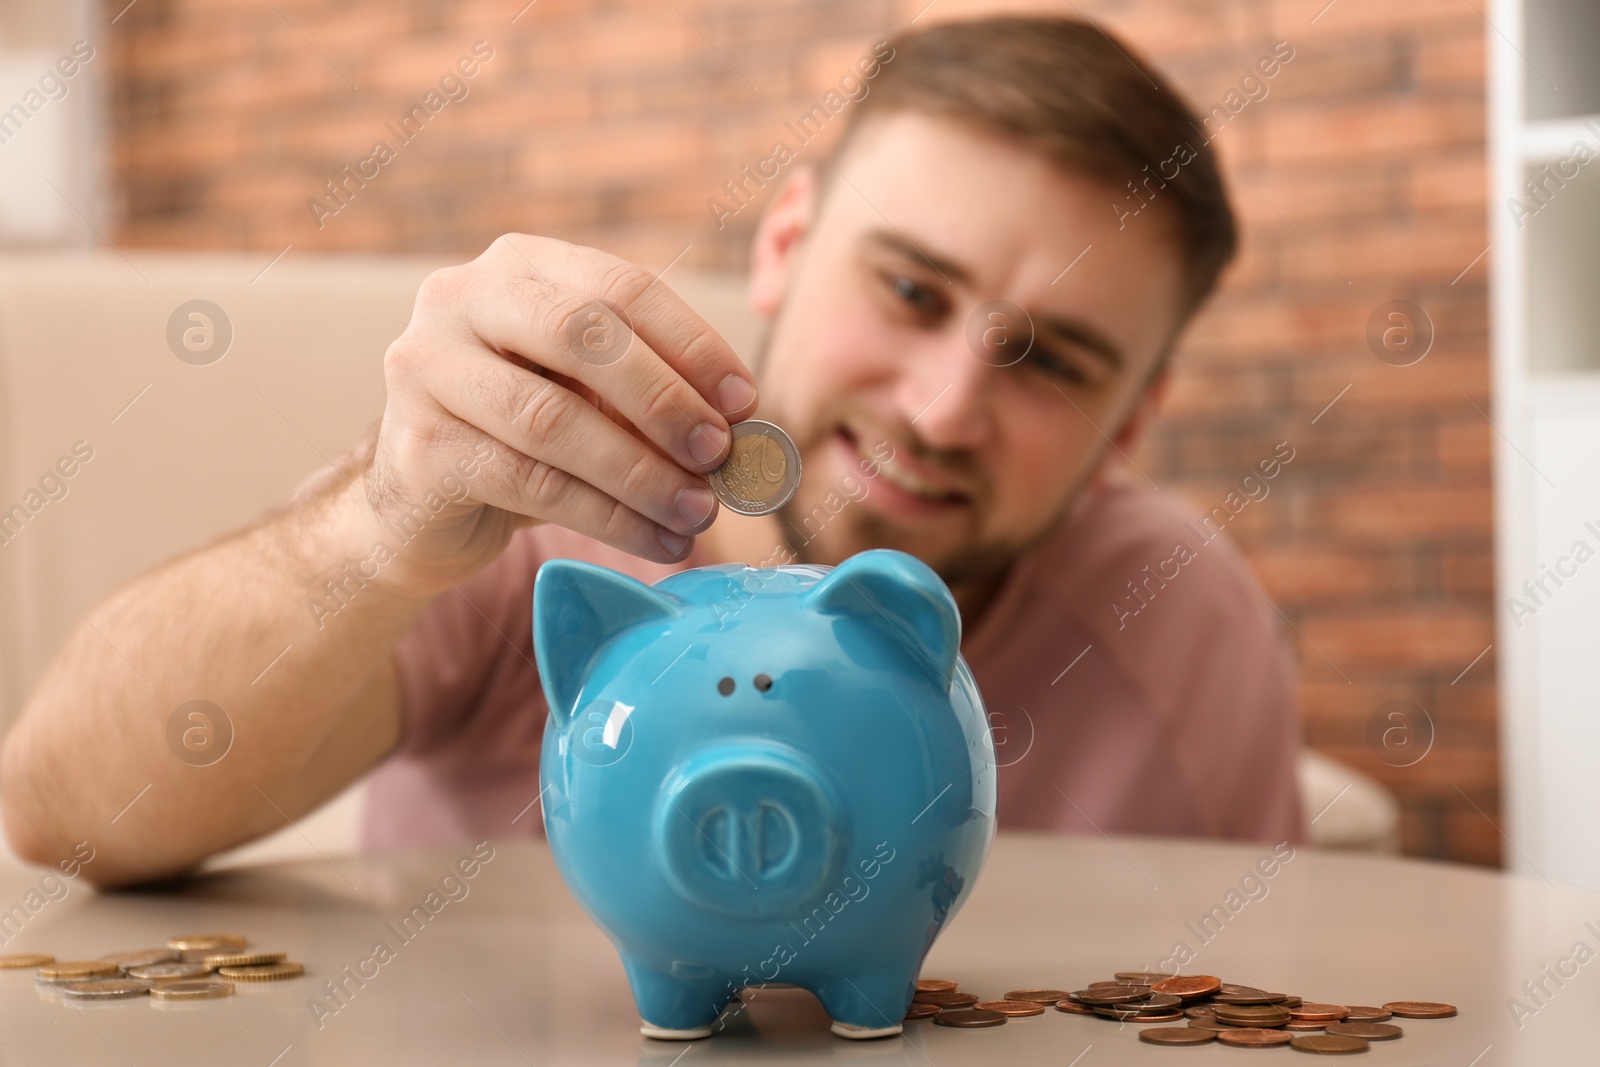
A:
(901, 477)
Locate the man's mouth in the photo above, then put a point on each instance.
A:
(910, 476)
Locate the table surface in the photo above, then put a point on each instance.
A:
(513, 972)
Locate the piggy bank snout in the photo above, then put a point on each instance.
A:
(749, 829)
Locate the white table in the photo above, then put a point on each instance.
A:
(514, 973)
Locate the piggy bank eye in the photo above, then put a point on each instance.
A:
(763, 682)
(725, 687)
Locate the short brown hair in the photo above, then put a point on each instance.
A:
(1068, 89)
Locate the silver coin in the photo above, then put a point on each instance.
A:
(105, 989)
(142, 958)
(170, 972)
(762, 470)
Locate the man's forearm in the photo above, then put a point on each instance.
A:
(102, 751)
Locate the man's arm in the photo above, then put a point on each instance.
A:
(92, 757)
(542, 382)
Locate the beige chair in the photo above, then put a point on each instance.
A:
(181, 449)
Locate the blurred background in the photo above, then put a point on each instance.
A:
(1373, 175)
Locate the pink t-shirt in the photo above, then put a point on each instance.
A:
(1164, 706)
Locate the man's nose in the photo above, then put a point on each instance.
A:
(947, 393)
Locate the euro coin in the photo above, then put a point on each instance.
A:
(242, 959)
(208, 942)
(140, 958)
(25, 960)
(1420, 1009)
(271, 972)
(170, 972)
(762, 470)
(76, 970)
(104, 989)
(1011, 1007)
(201, 990)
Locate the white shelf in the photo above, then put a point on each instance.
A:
(1550, 140)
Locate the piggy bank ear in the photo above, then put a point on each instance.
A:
(902, 596)
(577, 608)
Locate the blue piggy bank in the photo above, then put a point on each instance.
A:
(763, 776)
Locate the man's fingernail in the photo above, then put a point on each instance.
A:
(675, 544)
(735, 394)
(695, 505)
(705, 444)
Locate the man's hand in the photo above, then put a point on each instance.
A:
(577, 388)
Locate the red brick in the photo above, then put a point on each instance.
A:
(1412, 637)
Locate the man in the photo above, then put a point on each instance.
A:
(550, 400)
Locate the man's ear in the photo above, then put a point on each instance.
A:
(779, 235)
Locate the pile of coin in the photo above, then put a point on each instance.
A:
(191, 967)
(1214, 1010)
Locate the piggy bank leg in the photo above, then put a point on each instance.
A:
(673, 1008)
(868, 1005)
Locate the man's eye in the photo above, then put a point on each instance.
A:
(914, 294)
(1049, 363)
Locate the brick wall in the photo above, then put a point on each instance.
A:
(1360, 177)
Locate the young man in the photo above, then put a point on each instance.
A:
(551, 400)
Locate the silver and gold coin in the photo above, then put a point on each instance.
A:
(242, 959)
(105, 989)
(762, 470)
(170, 972)
(199, 990)
(141, 957)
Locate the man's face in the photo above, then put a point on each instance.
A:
(871, 353)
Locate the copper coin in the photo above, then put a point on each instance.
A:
(207, 942)
(1011, 1007)
(947, 999)
(170, 972)
(1230, 987)
(26, 959)
(1110, 982)
(1304, 1024)
(1250, 996)
(1251, 1037)
(1252, 1014)
(969, 1017)
(1073, 1007)
(1420, 1009)
(1140, 977)
(1124, 994)
(1212, 1025)
(935, 985)
(206, 990)
(1365, 1031)
(1157, 1002)
(922, 1011)
(1361, 1013)
(1037, 996)
(1290, 1002)
(1326, 1013)
(1188, 986)
(1328, 1043)
(1156, 1017)
(1201, 1011)
(1176, 1035)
